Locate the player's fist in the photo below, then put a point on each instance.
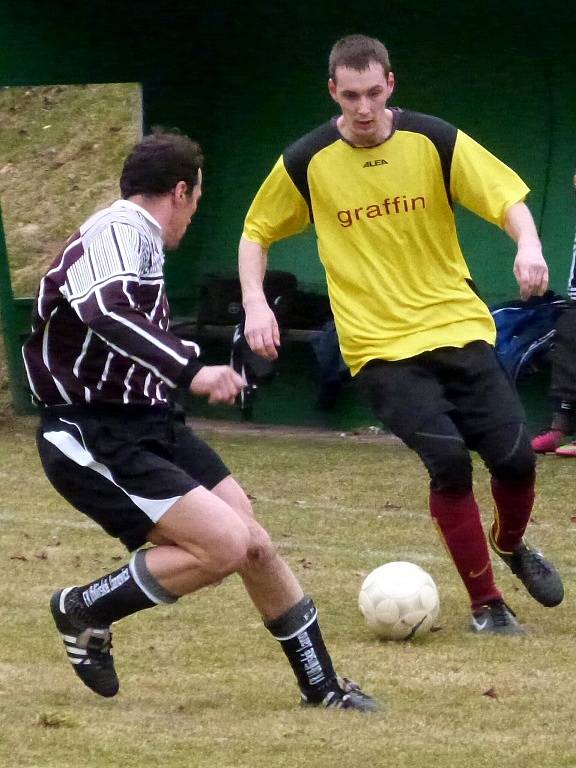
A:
(219, 382)
(531, 271)
(261, 330)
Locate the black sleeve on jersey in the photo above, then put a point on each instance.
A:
(298, 155)
(441, 134)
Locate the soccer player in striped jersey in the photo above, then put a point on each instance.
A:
(379, 184)
(101, 362)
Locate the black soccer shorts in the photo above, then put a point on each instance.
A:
(124, 467)
(469, 384)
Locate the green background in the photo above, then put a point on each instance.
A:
(247, 78)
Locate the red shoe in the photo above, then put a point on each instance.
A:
(548, 442)
(567, 450)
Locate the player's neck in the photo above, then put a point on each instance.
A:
(158, 206)
(382, 132)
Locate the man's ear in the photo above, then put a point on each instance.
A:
(391, 83)
(332, 88)
(181, 191)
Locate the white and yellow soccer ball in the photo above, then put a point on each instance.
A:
(399, 601)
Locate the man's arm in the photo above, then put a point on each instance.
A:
(107, 306)
(260, 328)
(132, 334)
(530, 268)
(492, 190)
(277, 211)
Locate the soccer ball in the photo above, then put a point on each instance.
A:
(399, 601)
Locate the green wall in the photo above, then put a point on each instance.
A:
(247, 78)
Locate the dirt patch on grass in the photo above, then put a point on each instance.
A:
(363, 435)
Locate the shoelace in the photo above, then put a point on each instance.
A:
(98, 649)
(537, 563)
(534, 563)
(334, 701)
(341, 699)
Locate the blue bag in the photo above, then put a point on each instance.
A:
(525, 331)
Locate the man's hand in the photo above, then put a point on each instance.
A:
(261, 330)
(531, 271)
(220, 382)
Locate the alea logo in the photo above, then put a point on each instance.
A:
(372, 163)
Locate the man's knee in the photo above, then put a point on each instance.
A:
(261, 550)
(235, 551)
(447, 460)
(512, 459)
(224, 554)
(452, 473)
(517, 468)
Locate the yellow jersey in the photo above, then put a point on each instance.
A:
(397, 280)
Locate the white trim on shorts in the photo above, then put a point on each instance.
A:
(79, 454)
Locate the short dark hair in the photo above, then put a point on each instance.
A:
(356, 52)
(157, 163)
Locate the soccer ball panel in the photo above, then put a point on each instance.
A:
(429, 598)
(387, 611)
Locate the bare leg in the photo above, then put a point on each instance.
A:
(201, 539)
(207, 535)
(268, 579)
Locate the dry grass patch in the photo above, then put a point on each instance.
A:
(61, 152)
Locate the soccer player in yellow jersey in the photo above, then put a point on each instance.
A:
(379, 184)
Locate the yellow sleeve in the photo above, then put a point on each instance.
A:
(482, 183)
(277, 211)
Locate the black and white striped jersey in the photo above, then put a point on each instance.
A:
(100, 328)
(572, 277)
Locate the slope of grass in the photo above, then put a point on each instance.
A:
(61, 152)
(204, 685)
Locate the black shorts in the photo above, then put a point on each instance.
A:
(126, 466)
(467, 383)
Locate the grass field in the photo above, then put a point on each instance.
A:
(204, 685)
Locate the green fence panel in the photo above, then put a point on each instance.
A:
(15, 323)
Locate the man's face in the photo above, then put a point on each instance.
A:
(184, 207)
(362, 97)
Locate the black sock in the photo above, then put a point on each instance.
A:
(565, 417)
(299, 635)
(127, 590)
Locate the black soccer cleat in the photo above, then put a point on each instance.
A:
(496, 618)
(537, 574)
(88, 648)
(346, 695)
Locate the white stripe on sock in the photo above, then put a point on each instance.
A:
(298, 631)
(140, 584)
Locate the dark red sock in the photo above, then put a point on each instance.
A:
(513, 507)
(458, 520)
